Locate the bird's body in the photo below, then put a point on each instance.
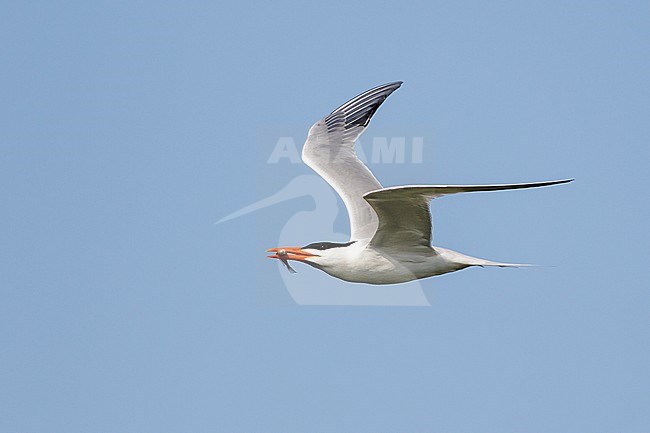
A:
(390, 228)
(361, 263)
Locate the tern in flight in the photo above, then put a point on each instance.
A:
(390, 238)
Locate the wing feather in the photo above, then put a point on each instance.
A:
(329, 151)
(404, 215)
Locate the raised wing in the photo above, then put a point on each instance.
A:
(329, 151)
(403, 211)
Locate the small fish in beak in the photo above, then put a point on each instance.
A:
(290, 253)
(282, 255)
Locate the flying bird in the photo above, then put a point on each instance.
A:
(390, 228)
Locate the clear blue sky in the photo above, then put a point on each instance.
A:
(128, 128)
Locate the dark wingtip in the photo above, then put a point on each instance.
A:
(359, 110)
(395, 84)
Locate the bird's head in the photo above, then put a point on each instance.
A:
(319, 254)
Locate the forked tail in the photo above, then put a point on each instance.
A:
(483, 263)
(462, 259)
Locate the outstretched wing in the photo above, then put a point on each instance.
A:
(329, 151)
(403, 211)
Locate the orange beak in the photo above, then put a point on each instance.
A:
(290, 253)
